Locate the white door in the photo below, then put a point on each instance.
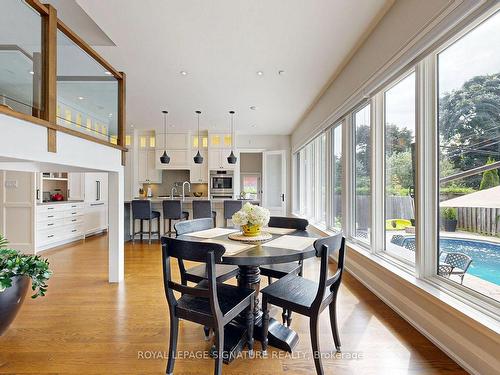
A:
(76, 186)
(274, 182)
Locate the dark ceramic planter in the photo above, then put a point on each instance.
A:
(450, 225)
(11, 300)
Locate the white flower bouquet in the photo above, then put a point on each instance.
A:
(251, 218)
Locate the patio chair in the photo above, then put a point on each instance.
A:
(398, 239)
(410, 245)
(460, 263)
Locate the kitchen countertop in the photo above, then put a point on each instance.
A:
(58, 202)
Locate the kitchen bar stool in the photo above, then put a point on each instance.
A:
(141, 210)
(203, 209)
(172, 210)
(230, 207)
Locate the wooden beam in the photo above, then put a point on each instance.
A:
(49, 48)
(122, 118)
(38, 6)
(87, 48)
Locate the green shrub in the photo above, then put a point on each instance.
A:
(449, 213)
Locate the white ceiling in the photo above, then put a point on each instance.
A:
(222, 44)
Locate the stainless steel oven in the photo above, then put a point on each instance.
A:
(221, 184)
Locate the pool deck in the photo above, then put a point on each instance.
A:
(470, 281)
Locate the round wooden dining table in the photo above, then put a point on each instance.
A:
(248, 260)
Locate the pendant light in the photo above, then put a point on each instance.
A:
(232, 159)
(198, 159)
(165, 159)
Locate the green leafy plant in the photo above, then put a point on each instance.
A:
(13, 263)
(449, 213)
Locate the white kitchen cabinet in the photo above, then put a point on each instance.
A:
(199, 172)
(147, 172)
(220, 140)
(96, 217)
(96, 187)
(175, 141)
(76, 186)
(217, 159)
(178, 159)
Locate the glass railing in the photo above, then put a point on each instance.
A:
(87, 94)
(20, 58)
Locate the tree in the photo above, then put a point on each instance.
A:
(490, 178)
(399, 171)
(469, 124)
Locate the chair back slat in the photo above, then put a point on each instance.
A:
(141, 209)
(195, 225)
(201, 252)
(324, 247)
(288, 222)
(458, 260)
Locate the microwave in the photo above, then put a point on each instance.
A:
(222, 182)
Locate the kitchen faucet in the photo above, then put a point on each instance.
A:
(172, 192)
(189, 187)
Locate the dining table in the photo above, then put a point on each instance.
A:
(284, 245)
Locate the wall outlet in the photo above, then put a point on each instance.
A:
(11, 184)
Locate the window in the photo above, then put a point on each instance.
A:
(362, 175)
(469, 159)
(250, 185)
(336, 179)
(321, 179)
(399, 131)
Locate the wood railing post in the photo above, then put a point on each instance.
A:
(122, 113)
(49, 48)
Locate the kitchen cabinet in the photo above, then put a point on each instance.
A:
(59, 223)
(175, 141)
(178, 159)
(96, 217)
(96, 187)
(220, 140)
(147, 172)
(217, 159)
(76, 186)
(199, 172)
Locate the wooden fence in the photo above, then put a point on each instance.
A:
(479, 220)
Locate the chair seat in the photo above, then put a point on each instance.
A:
(229, 297)
(293, 291)
(223, 272)
(277, 271)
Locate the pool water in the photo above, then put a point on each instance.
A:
(485, 256)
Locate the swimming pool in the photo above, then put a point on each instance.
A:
(485, 255)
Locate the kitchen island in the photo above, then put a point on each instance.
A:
(187, 205)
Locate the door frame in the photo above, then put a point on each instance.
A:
(283, 154)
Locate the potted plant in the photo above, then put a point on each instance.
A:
(16, 272)
(251, 218)
(449, 219)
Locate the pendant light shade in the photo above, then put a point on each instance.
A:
(198, 159)
(232, 159)
(165, 159)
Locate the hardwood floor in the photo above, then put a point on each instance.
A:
(85, 325)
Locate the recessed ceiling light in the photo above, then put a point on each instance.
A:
(131, 125)
(81, 98)
(108, 73)
(281, 72)
(253, 126)
(110, 115)
(183, 73)
(31, 72)
(253, 108)
(260, 73)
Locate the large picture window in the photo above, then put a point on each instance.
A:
(469, 159)
(399, 135)
(336, 174)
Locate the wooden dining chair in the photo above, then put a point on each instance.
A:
(223, 272)
(277, 271)
(309, 298)
(208, 303)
